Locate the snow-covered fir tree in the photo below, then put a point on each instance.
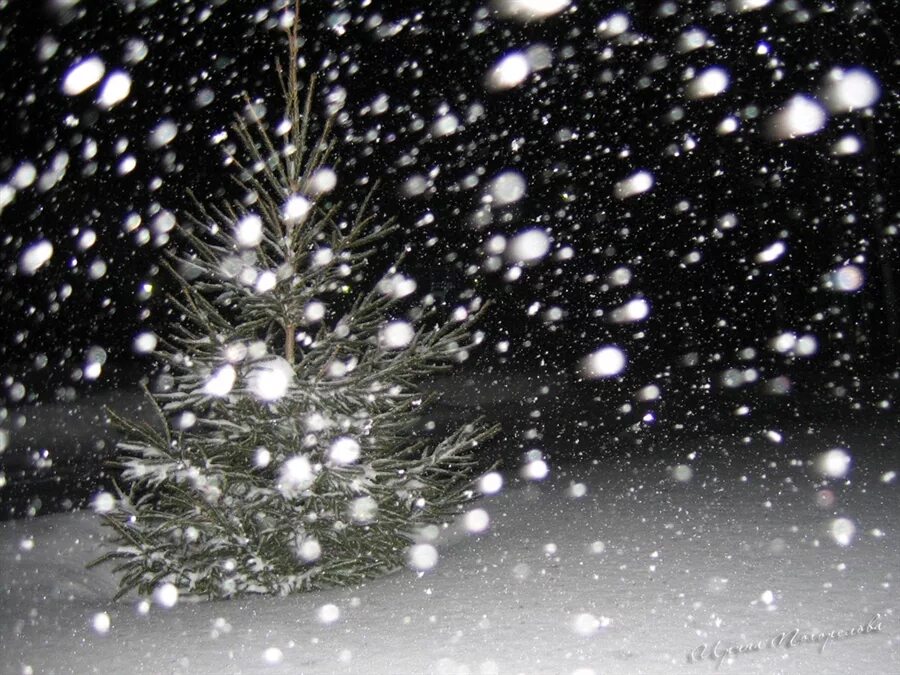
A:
(291, 451)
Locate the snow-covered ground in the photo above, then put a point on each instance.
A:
(626, 565)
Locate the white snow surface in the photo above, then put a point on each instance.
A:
(615, 567)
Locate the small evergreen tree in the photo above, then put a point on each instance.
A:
(290, 453)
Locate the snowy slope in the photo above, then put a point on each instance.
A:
(627, 578)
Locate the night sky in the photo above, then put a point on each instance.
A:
(417, 109)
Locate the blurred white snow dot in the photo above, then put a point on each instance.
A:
(774, 436)
(101, 623)
(577, 490)
(314, 311)
(635, 184)
(16, 392)
(144, 343)
(783, 342)
(489, 666)
(888, 476)
(26, 544)
(607, 361)
(310, 550)
(507, 187)
(322, 181)
(97, 269)
(825, 498)
(729, 221)
(397, 286)
(682, 473)
(621, 276)
(127, 165)
(83, 75)
(847, 279)
(848, 90)
(273, 656)
(265, 282)
(771, 253)
(295, 209)
(807, 345)
(163, 133)
(634, 310)
(295, 476)
(315, 422)
(528, 246)
(115, 89)
(710, 82)
(691, 39)
(846, 145)
(597, 547)
(529, 10)
(748, 5)
(103, 502)
(834, 463)
(248, 231)
(396, 335)
(165, 595)
(445, 125)
(535, 469)
(422, 557)
(521, 571)
(283, 127)
(427, 533)
(270, 380)
(220, 382)
(261, 458)
(344, 450)
(414, 185)
(649, 393)
(35, 256)
(585, 624)
(24, 176)
(842, 531)
(495, 245)
(800, 116)
(142, 607)
(476, 520)
(509, 72)
(728, 126)
(93, 367)
(490, 483)
(767, 597)
(363, 509)
(614, 25)
(328, 613)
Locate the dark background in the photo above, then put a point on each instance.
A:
(600, 111)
